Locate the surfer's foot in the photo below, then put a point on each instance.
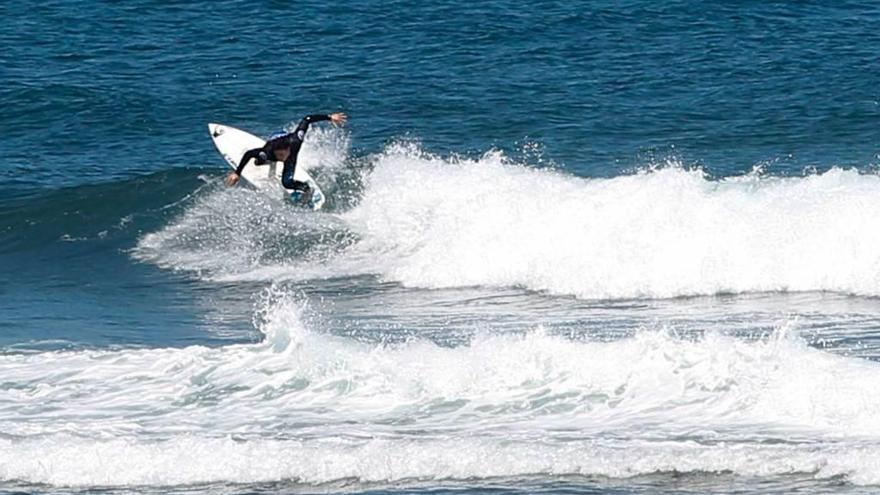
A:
(302, 196)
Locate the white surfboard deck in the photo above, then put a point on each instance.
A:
(232, 143)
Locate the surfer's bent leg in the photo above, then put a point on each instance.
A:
(287, 176)
(296, 139)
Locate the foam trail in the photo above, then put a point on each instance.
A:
(316, 408)
(226, 232)
(233, 233)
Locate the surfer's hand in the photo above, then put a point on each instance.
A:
(232, 179)
(338, 118)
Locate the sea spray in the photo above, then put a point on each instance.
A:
(433, 222)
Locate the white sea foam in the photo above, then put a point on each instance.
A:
(429, 222)
(426, 221)
(70, 461)
(313, 407)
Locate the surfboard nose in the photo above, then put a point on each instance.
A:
(215, 129)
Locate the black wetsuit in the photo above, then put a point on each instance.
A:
(293, 142)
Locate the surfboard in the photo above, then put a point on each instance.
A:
(232, 143)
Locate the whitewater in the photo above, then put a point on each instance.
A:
(311, 407)
(449, 319)
(664, 231)
(606, 248)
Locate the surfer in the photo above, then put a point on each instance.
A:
(285, 148)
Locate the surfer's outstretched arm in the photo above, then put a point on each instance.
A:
(337, 118)
(249, 155)
(308, 119)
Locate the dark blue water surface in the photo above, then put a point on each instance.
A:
(103, 113)
(103, 91)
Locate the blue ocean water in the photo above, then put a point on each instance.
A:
(607, 247)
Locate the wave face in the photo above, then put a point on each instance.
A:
(425, 221)
(315, 408)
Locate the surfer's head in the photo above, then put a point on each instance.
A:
(280, 147)
(281, 154)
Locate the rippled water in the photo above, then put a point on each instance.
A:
(604, 248)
